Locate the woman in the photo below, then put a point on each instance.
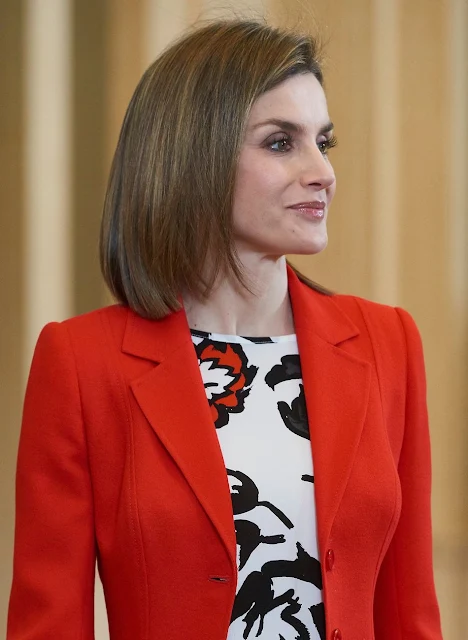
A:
(273, 486)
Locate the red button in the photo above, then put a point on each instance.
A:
(330, 560)
(336, 635)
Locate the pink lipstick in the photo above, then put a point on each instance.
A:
(314, 209)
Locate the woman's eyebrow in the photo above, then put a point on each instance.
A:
(292, 127)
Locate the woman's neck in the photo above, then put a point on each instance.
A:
(232, 311)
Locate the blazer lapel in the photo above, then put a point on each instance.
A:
(173, 399)
(336, 386)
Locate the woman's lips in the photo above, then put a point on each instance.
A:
(314, 210)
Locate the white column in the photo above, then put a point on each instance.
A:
(47, 116)
(457, 90)
(385, 153)
(164, 20)
(248, 9)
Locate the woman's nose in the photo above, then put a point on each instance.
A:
(317, 171)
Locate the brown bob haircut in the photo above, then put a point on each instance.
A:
(169, 198)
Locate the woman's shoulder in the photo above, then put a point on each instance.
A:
(392, 330)
(376, 315)
(89, 332)
(114, 314)
(362, 309)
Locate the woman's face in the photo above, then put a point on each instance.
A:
(285, 182)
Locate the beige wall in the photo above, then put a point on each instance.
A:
(397, 83)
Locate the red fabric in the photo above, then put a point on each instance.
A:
(119, 460)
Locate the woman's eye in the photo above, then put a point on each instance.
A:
(281, 145)
(284, 144)
(326, 145)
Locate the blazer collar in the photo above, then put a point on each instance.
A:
(313, 312)
(336, 386)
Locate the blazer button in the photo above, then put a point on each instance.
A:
(336, 635)
(330, 560)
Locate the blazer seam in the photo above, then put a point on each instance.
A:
(86, 444)
(405, 346)
(381, 553)
(134, 512)
(397, 599)
(405, 343)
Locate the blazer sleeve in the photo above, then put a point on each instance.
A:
(52, 594)
(405, 604)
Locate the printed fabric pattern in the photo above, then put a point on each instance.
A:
(256, 396)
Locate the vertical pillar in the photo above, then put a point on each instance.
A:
(385, 151)
(450, 442)
(164, 21)
(457, 38)
(47, 162)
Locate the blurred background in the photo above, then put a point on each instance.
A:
(397, 83)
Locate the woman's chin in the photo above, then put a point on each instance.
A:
(309, 246)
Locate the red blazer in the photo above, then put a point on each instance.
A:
(119, 460)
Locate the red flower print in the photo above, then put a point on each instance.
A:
(227, 377)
